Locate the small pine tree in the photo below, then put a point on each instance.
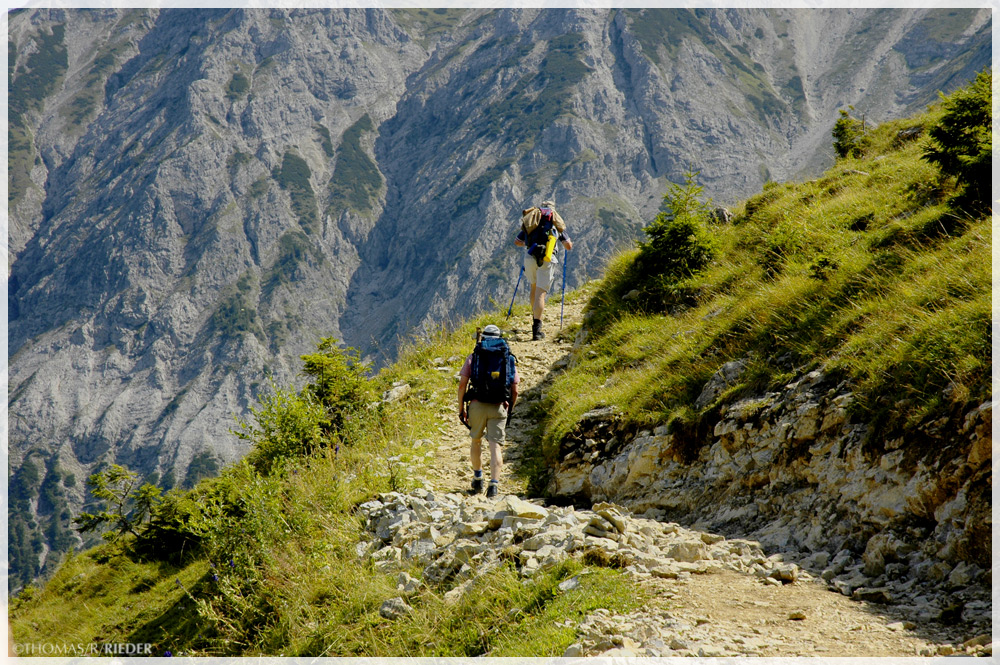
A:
(678, 245)
(127, 503)
(289, 424)
(849, 135)
(961, 143)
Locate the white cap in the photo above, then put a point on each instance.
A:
(548, 204)
(491, 330)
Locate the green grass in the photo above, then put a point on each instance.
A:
(325, 140)
(356, 182)
(537, 633)
(238, 86)
(865, 273)
(98, 598)
(293, 176)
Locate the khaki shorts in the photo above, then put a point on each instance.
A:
(540, 276)
(490, 419)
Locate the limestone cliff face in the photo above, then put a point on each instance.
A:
(790, 469)
(196, 197)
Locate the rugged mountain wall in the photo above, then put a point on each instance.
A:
(197, 196)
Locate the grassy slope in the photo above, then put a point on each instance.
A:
(863, 272)
(283, 577)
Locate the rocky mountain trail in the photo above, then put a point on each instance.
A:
(538, 363)
(710, 594)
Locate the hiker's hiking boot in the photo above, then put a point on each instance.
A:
(536, 330)
(477, 485)
(491, 491)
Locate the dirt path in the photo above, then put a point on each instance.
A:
(724, 613)
(451, 470)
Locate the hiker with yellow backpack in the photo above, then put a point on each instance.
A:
(541, 227)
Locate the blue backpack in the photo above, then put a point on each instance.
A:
(492, 372)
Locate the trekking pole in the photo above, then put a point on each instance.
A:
(511, 308)
(562, 306)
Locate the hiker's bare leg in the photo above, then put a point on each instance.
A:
(476, 454)
(496, 461)
(537, 302)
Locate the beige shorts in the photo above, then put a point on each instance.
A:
(540, 276)
(490, 419)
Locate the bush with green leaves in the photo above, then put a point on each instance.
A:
(288, 424)
(291, 424)
(127, 503)
(339, 383)
(961, 143)
(183, 520)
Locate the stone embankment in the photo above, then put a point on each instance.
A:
(451, 540)
(907, 526)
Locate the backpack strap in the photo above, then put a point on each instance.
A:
(530, 219)
(470, 389)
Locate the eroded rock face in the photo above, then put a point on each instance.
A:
(789, 469)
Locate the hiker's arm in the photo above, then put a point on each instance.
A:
(566, 242)
(513, 396)
(519, 240)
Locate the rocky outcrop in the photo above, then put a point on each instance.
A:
(791, 470)
(456, 539)
(453, 540)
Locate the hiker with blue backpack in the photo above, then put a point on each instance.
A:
(541, 227)
(488, 383)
